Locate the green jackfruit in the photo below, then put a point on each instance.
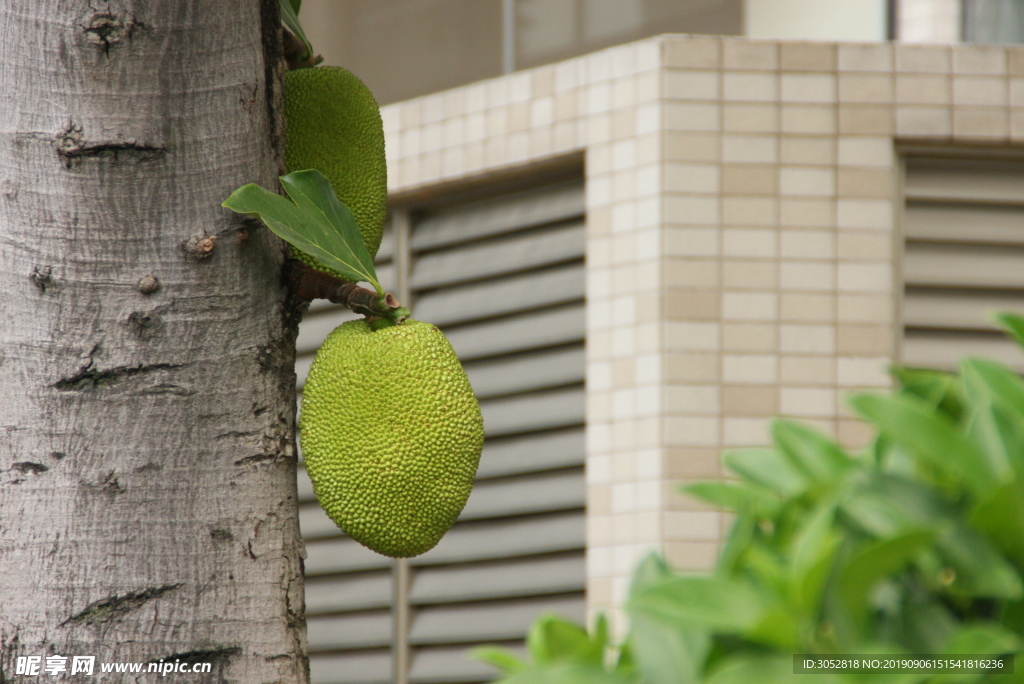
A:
(391, 434)
(334, 126)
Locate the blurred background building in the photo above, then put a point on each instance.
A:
(643, 247)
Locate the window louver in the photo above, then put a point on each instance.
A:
(503, 277)
(964, 258)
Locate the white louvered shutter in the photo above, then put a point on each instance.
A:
(964, 258)
(503, 278)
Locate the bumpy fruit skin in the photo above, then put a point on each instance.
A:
(334, 126)
(391, 434)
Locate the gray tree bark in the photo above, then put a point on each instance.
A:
(147, 458)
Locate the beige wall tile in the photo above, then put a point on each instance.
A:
(865, 88)
(865, 308)
(691, 463)
(750, 400)
(749, 337)
(863, 372)
(745, 54)
(807, 275)
(807, 370)
(750, 86)
(981, 122)
(979, 59)
(923, 89)
(808, 119)
(695, 178)
(692, 399)
(751, 149)
(865, 57)
(750, 369)
(1017, 92)
(864, 245)
(865, 276)
(750, 179)
(866, 120)
(980, 90)
(807, 57)
(873, 214)
(807, 401)
(866, 151)
(691, 85)
(1015, 60)
(685, 305)
(864, 340)
(807, 181)
(691, 367)
(744, 432)
(800, 307)
(853, 182)
(691, 242)
(682, 116)
(922, 58)
(699, 147)
(693, 52)
(681, 272)
(807, 213)
(749, 274)
(691, 209)
(690, 431)
(749, 211)
(807, 339)
(924, 122)
(807, 244)
(749, 242)
(807, 150)
(750, 306)
(750, 118)
(808, 88)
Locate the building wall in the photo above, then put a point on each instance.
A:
(742, 240)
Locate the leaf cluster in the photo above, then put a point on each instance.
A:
(914, 545)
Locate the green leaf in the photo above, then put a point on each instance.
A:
(911, 423)
(1001, 518)
(700, 602)
(1013, 324)
(736, 496)
(769, 468)
(314, 222)
(815, 455)
(985, 378)
(290, 18)
(940, 389)
(812, 557)
(500, 658)
(874, 562)
(552, 639)
(651, 571)
(983, 639)
(664, 652)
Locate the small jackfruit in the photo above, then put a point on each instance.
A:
(391, 434)
(334, 126)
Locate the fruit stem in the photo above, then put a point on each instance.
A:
(311, 284)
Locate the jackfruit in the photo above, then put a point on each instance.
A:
(334, 126)
(391, 434)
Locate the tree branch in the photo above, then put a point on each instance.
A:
(311, 284)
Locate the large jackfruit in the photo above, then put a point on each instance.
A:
(334, 126)
(391, 434)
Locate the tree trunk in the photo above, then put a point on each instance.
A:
(147, 458)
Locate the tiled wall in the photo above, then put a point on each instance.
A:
(742, 255)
